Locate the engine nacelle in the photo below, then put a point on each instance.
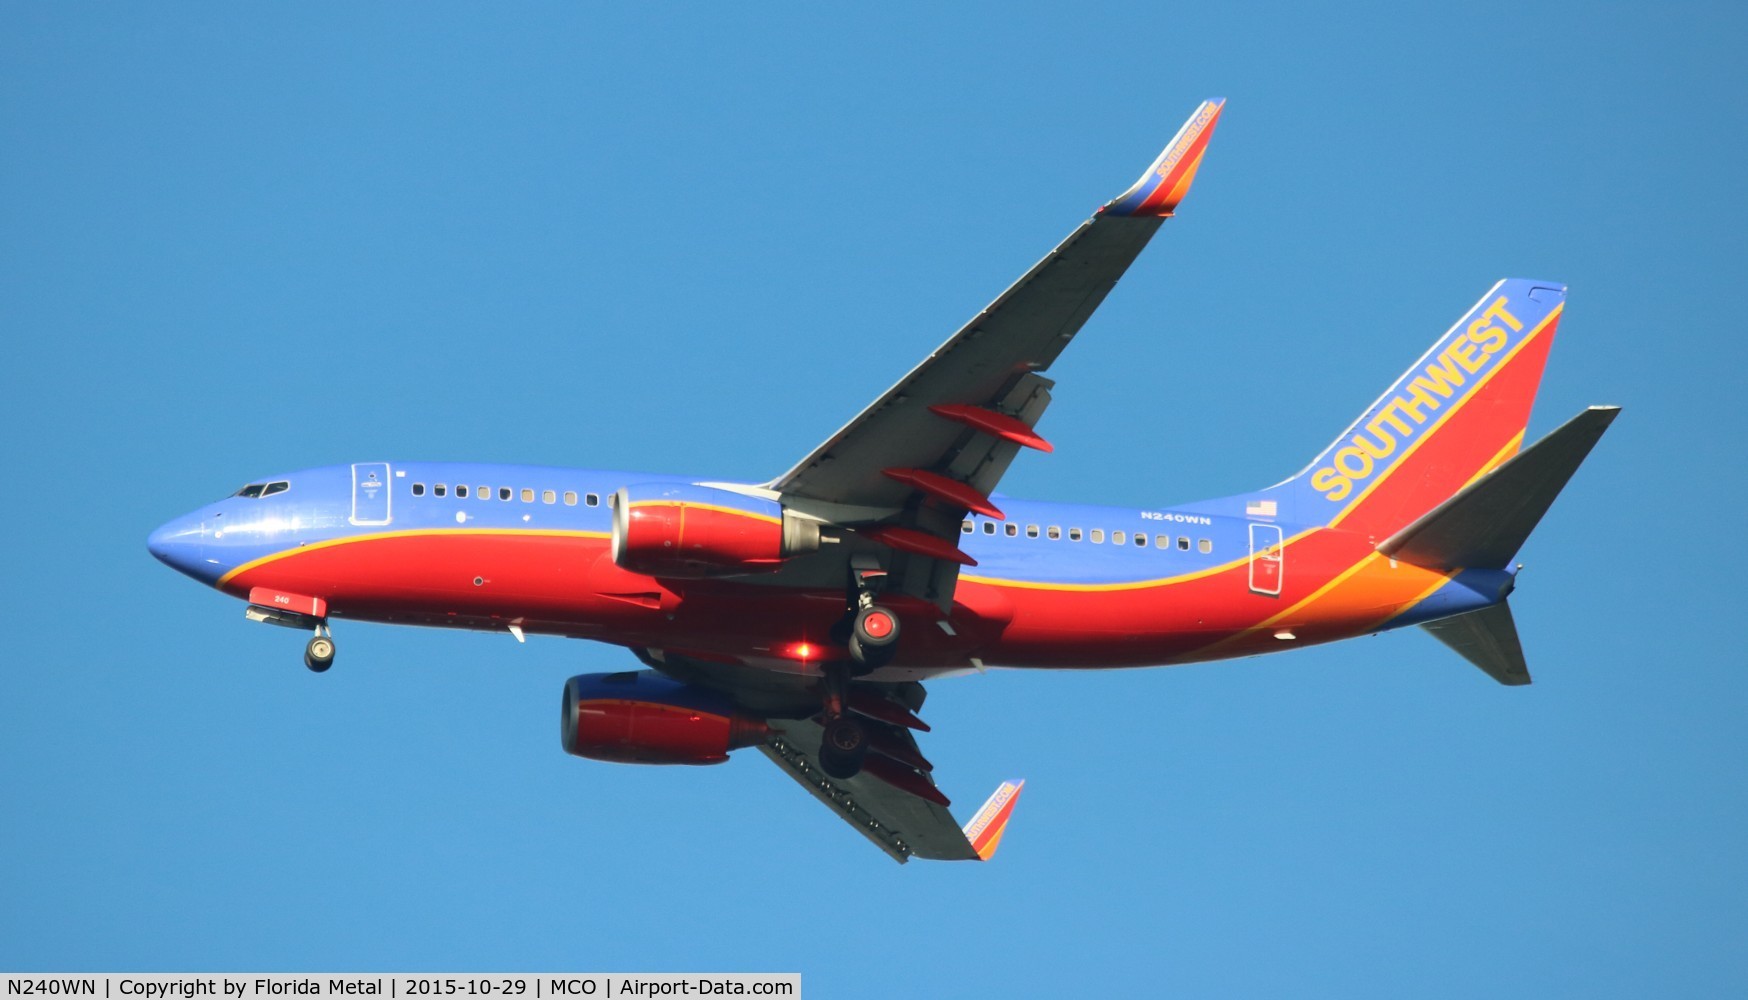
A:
(642, 717)
(678, 530)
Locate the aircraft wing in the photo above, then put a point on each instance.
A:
(893, 800)
(934, 446)
(903, 822)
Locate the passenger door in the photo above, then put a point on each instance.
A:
(370, 493)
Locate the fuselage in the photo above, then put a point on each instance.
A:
(1055, 585)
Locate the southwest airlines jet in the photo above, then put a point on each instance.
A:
(802, 615)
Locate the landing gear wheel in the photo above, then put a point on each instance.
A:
(873, 637)
(842, 747)
(319, 654)
(875, 627)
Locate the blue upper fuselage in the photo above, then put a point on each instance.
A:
(1042, 542)
(1039, 542)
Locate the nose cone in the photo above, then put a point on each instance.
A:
(179, 545)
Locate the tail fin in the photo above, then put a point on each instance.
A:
(1456, 414)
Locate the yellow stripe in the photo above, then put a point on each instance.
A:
(409, 533)
(1130, 585)
(1322, 591)
(1446, 415)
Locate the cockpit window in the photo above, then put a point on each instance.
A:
(279, 487)
(255, 491)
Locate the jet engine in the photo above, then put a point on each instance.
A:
(678, 530)
(642, 717)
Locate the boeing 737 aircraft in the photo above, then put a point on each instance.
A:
(801, 615)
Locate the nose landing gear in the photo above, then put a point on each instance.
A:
(318, 655)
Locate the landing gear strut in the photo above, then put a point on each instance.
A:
(319, 654)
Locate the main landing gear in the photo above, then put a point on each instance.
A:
(844, 741)
(318, 655)
(872, 641)
(873, 628)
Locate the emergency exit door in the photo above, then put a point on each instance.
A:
(1266, 559)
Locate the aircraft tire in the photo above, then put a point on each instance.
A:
(842, 747)
(875, 627)
(319, 654)
(868, 660)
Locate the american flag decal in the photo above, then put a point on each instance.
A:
(1260, 508)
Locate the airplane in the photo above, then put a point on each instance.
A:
(802, 615)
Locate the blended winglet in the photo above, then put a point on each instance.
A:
(1166, 182)
(985, 829)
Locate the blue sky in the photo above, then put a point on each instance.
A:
(246, 240)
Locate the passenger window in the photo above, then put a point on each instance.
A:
(272, 488)
(1140, 540)
(1074, 534)
(965, 527)
(570, 498)
(1054, 533)
(527, 496)
(483, 492)
(503, 493)
(1012, 529)
(1031, 531)
(461, 491)
(989, 527)
(1118, 537)
(1163, 541)
(1098, 536)
(591, 499)
(548, 496)
(439, 490)
(1183, 542)
(1204, 546)
(418, 489)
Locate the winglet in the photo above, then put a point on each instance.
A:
(985, 829)
(1168, 180)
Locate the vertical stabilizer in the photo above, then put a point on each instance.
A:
(1457, 413)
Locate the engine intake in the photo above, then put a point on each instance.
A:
(642, 717)
(678, 530)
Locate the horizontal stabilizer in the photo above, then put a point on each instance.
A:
(1484, 524)
(1488, 639)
